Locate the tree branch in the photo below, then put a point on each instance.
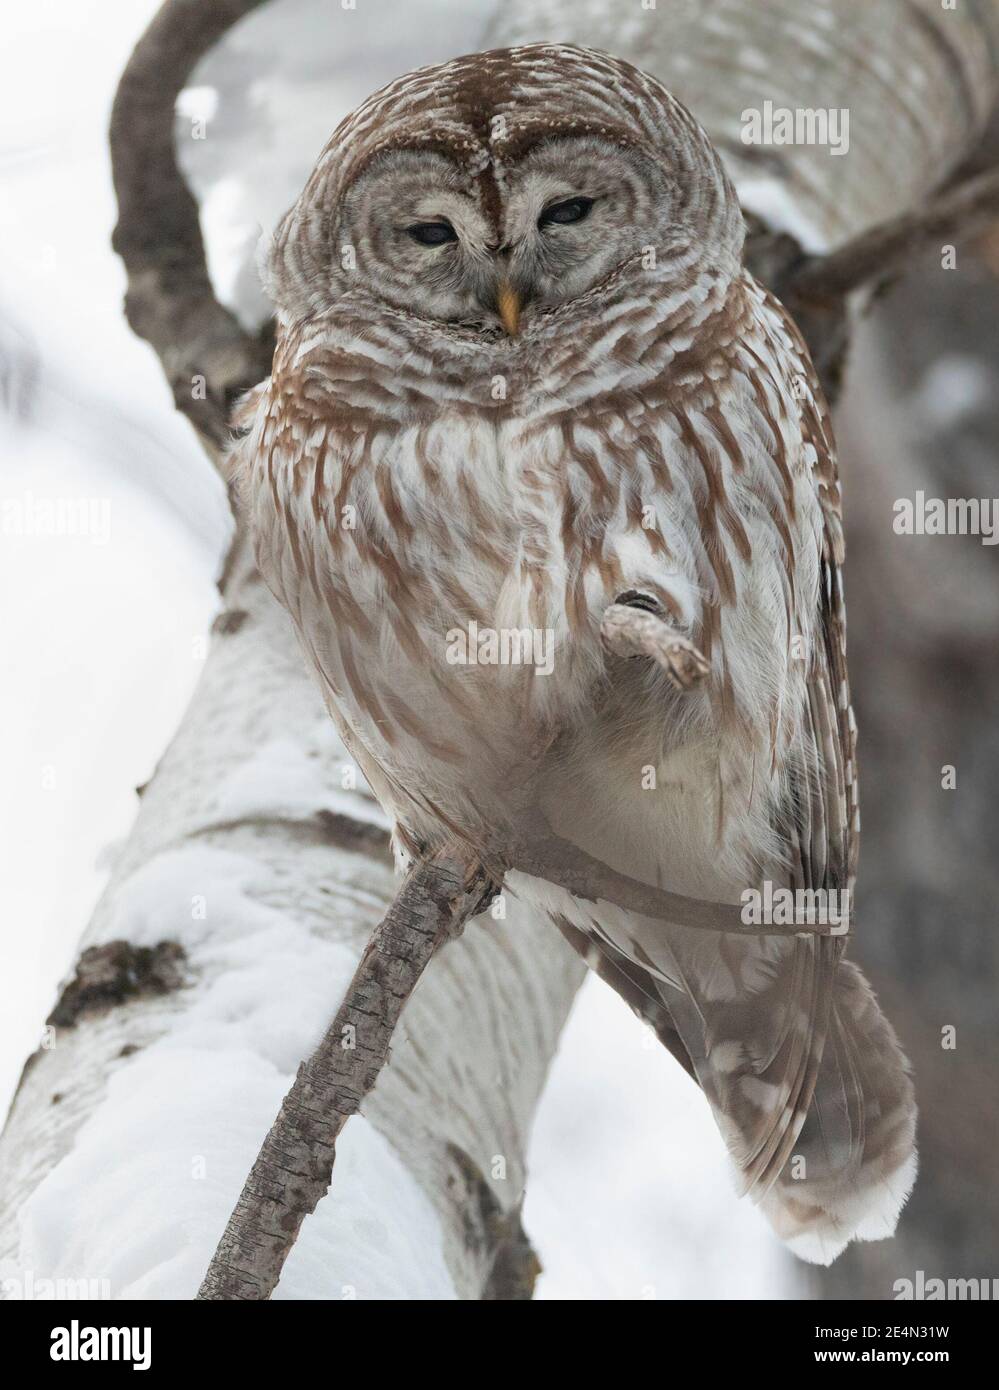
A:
(170, 301)
(816, 289)
(957, 213)
(292, 1171)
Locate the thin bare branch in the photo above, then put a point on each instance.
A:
(170, 301)
(293, 1169)
(956, 214)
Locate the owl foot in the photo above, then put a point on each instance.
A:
(628, 632)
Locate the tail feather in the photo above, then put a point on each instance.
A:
(806, 1081)
(856, 1150)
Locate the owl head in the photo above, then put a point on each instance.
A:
(496, 193)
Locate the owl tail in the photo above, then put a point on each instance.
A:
(854, 1159)
(813, 1097)
(805, 1077)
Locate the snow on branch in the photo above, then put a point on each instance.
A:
(292, 1171)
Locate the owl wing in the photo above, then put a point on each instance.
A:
(855, 1150)
(827, 823)
(804, 1077)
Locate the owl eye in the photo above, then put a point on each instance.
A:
(432, 233)
(560, 214)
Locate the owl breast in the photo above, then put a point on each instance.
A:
(455, 563)
(448, 534)
(446, 576)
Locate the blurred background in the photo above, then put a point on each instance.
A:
(103, 635)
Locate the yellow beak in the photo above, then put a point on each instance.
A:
(508, 303)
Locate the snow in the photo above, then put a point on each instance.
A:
(192, 1157)
(101, 646)
(772, 203)
(282, 777)
(630, 1193)
(193, 1107)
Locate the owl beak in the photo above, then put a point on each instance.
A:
(508, 304)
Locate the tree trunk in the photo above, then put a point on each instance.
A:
(918, 81)
(216, 957)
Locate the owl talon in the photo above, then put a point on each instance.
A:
(630, 632)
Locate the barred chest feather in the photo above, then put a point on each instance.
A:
(447, 533)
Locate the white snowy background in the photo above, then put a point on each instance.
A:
(629, 1193)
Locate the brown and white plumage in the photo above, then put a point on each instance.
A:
(648, 434)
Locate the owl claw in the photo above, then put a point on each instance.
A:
(682, 662)
(630, 632)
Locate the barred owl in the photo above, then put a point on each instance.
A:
(524, 388)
